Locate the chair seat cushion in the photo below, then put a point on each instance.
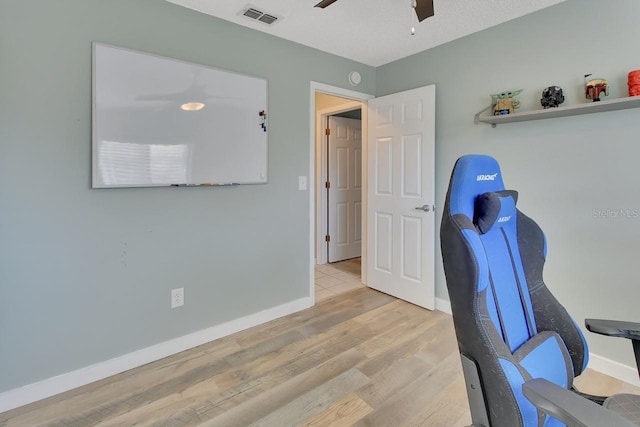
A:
(626, 405)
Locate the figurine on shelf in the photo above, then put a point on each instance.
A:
(552, 97)
(634, 83)
(595, 87)
(504, 102)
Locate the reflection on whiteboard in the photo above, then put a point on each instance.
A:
(121, 163)
(161, 122)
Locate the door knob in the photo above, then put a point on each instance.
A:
(425, 208)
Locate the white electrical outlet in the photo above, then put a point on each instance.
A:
(177, 297)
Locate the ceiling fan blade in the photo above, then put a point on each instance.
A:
(325, 3)
(424, 9)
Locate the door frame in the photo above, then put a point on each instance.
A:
(322, 122)
(315, 130)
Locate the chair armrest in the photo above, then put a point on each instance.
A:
(614, 328)
(570, 408)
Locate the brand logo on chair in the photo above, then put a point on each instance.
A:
(504, 218)
(486, 177)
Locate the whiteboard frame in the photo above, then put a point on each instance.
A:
(253, 148)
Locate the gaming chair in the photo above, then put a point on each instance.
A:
(520, 349)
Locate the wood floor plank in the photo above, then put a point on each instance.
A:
(314, 401)
(300, 355)
(271, 399)
(321, 316)
(405, 403)
(395, 377)
(163, 408)
(439, 343)
(342, 413)
(401, 341)
(447, 409)
(264, 373)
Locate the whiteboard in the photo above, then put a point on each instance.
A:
(148, 132)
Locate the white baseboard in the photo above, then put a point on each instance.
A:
(614, 369)
(443, 305)
(33, 392)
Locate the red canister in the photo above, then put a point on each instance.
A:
(634, 83)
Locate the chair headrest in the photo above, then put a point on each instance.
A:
(494, 207)
(473, 175)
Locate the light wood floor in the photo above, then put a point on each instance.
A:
(360, 358)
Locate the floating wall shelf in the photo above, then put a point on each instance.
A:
(569, 110)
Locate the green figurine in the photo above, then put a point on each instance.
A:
(504, 102)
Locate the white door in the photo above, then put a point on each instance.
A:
(400, 224)
(345, 188)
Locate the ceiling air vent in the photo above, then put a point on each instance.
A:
(258, 15)
(268, 19)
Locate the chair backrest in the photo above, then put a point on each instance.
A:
(508, 324)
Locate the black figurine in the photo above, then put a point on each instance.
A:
(552, 97)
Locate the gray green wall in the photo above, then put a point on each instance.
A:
(85, 275)
(569, 171)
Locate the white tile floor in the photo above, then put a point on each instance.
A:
(334, 279)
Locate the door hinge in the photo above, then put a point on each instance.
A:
(327, 131)
(327, 184)
(327, 238)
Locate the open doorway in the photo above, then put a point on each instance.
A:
(398, 135)
(338, 171)
(326, 100)
(342, 192)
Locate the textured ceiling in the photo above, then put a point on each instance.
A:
(373, 32)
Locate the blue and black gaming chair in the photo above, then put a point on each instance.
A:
(517, 343)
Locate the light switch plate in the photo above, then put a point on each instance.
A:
(302, 183)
